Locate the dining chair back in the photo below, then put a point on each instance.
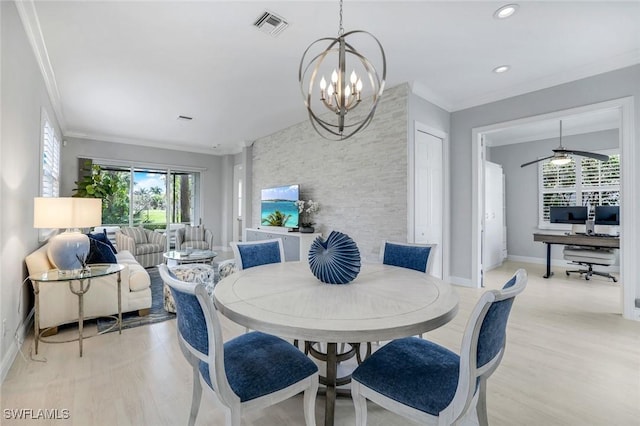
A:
(430, 384)
(407, 255)
(256, 253)
(238, 375)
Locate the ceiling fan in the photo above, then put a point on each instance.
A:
(561, 154)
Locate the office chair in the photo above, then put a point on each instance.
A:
(589, 256)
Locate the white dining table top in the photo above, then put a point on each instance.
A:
(382, 303)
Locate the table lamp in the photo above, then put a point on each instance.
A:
(67, 251)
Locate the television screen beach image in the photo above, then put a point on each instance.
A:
(280, 200)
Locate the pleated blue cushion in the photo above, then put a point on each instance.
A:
(258, 364)
(414, 372)
(410, 257)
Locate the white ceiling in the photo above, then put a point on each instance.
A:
(123, 71)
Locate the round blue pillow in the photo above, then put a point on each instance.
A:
(335, 260)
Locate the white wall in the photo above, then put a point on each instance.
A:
(612, 85)
(360, 183)
(23, 94)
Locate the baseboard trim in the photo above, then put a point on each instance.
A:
(12, 353)
(556, 262)
(464, 282)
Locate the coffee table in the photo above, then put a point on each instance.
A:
(186, 256)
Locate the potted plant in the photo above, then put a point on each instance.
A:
(306, 209)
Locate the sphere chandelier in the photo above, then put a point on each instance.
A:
(332, 111)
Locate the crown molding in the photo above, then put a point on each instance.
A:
(588, 70)
(421, 90)
(31, 23)
(172, 145)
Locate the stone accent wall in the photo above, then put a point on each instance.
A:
(360, 183)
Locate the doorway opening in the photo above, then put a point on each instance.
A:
(629, 193)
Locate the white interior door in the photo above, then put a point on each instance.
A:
(493, 250)
(429, 195)
(237, 202)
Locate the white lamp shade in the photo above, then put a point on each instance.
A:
(66, 212)
(67, 251)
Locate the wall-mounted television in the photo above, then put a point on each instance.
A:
(607, 215)
(280, 200)
(569, 214)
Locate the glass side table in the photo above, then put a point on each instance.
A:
(79, 284)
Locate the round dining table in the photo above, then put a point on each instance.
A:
(382, 303)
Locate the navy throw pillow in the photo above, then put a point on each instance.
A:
(102, 237)
(100, 252)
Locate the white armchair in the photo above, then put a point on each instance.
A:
(145, 245)
(196, 237)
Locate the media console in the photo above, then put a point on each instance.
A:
(296, 244)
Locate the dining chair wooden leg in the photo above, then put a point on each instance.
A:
(196, 395)
(309, 403)
(481, 406)
(360, 403)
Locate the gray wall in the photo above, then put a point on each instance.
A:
(360, 183)
(215, 180)
(612, 85)
(522, 185)
(425, 112)
(22, 95)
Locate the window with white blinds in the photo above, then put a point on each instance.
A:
(50, 183)
(586, 182)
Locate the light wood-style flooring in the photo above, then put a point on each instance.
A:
(571, 359)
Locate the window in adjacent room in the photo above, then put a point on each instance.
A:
(583, 182)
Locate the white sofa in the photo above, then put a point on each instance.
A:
(59, 306)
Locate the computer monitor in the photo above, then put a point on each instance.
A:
(607, 215)
(568, 214)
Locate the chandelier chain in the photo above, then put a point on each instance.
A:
(341, 31)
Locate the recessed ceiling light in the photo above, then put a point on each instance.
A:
(505, 11)
(502, 68)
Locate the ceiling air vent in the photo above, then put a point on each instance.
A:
(271, 23)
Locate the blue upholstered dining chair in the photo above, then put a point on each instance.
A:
(430, 384)
(256, 253)
(252, 371)
(407, 255)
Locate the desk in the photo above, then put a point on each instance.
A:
(382, 303)
(83, 278)
(574, 240)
